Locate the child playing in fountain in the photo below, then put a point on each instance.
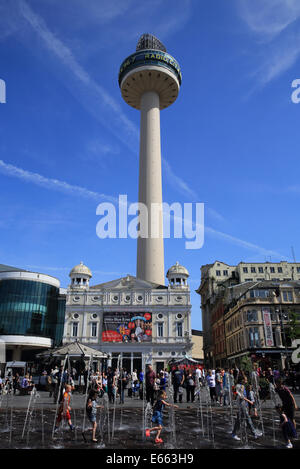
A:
(64, 408)
(287, 427)
(158, 415)
(252, 401)
(91, 411)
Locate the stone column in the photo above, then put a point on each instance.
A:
(150, 249)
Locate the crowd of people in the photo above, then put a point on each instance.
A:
(224, 385)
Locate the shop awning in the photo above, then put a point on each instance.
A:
(75, 350)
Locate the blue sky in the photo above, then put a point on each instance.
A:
(69, 142)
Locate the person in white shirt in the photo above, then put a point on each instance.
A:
(198, 376)
(211, 382)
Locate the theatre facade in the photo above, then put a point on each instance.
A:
(130, 317)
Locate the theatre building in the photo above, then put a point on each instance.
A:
(131, 317)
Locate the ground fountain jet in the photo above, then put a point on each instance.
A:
(150, 80)
(118, 373)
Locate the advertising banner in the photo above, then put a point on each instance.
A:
(268, 327)
(127, 327)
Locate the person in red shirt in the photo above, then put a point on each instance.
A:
(64, 408)
(288, 401)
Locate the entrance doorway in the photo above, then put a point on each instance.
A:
(130, 361)
(160, 366)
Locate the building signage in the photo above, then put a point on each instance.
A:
(150, 57)
(127, 327)
(268, 327)
(296, 353)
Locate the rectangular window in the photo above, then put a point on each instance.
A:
(160, 329)
(260, 270)
(259, 293)
(298, 270)
(252, 315)
(75, 329)
(94, 329)
(179, 329)
(272, 270)
(218, 273)
(280, 270)
(253, 270)
(225, 272)
(287, 296)
(245, 270)
(254, 337)
(273, 316)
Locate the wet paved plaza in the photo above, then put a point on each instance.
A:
(193, 426)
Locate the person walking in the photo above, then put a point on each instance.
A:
(287, 427)
(122, 384)
(288, 401)
(178, 380)
(190, 386)
(197, 377)
(219, 386)
(211, 382)
(150, 382)
(111, 385)
(16, 383)
(162, 381)
(43, 381)
(135, 381)
(242, 401)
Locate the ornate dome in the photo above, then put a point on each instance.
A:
(80, 269)
(177, 269)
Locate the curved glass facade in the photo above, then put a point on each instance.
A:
(31, 308)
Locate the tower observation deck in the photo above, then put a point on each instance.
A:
(150, 80)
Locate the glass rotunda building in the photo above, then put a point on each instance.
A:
(32, 313)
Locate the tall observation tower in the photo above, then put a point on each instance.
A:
(149, 81)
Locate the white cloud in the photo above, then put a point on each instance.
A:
(65, 55)
(277, 36)
(178, 182)
(99, 148)
(130, 133)
(243, 244)
(269, 17)
(53, 184)
(73, 190)
(110, 113)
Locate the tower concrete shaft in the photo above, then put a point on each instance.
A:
(150, 80)
(150, 249)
